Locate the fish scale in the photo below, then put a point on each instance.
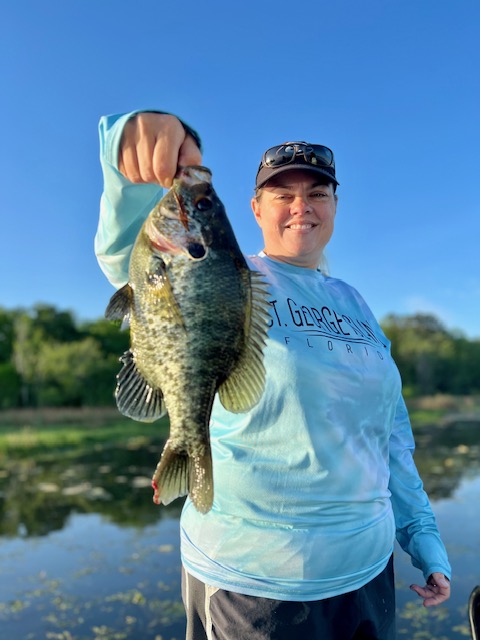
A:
(198, 326)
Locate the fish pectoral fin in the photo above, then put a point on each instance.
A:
(161, 288)
(135, 397)
(244, 387)
(179, 474)
(120, 304)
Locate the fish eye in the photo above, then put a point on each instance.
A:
(196, 250)
(203, 204)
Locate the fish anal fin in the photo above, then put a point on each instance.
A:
(178, 474)
(135, 397)
(244, 387)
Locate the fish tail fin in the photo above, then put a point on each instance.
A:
(178, 474)
(201, 481)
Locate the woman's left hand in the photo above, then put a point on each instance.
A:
(436, 591)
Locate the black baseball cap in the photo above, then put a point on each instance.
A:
(296, 155)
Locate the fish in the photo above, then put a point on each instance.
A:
(198, 319)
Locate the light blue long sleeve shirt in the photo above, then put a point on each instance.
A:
(313, 484)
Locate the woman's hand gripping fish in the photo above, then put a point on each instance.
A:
(198, 323)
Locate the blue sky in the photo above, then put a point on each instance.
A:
(391, 85)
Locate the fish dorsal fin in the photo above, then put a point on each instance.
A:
(120, 304)
(135, 398)
(244, 386)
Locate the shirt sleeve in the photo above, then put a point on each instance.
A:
(416, 527)
(124, 206)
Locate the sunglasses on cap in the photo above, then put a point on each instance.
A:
(314, 154)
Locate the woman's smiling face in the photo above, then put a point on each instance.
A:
(296, 212)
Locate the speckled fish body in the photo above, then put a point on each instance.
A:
(198, 321)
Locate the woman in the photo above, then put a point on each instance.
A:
(313, 484)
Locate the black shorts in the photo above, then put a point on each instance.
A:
(365, 614)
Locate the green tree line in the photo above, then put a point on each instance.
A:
(432, 359)
(47, 358)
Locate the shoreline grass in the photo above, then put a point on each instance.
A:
(442, 410)
(25, 431)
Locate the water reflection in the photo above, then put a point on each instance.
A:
(38, 495)
(447, 453)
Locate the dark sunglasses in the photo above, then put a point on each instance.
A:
(315, 154)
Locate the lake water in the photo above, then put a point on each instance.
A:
(84, 553)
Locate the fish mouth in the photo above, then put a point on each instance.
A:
(194, 248)
(159, 242)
